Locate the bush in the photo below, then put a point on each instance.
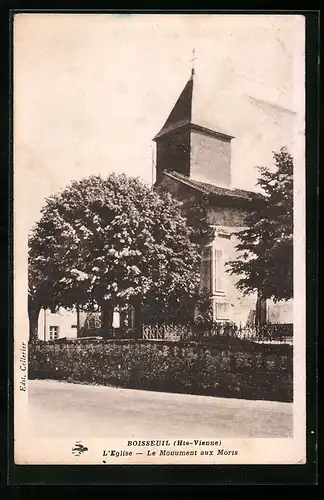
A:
(184, 367)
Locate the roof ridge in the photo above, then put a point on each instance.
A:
(211, 188)
(185, 180)
(173, 126)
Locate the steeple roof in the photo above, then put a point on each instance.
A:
(190, 109)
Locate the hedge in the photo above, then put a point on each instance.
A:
(241, 371)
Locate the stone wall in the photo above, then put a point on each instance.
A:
(228, 302)
(222, 215)
(210, 159)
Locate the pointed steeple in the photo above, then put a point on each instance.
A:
(191, 108)
(189, 141)
(181, 112)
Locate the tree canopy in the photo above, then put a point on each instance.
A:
(111, 241)
(265, 262)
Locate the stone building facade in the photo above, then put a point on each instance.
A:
(194, 164)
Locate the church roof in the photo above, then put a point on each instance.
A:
(213, 190)
(190, 109)
(205, 103)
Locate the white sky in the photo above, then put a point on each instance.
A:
(91, 91)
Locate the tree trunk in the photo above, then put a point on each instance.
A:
(260, 311)
(33, 324)
(123, 322)
(107, 311)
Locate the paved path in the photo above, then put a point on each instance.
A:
(60, 409)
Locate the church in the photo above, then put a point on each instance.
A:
(205, 131)
(209, 135)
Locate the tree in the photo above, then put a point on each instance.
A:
(179, 305)
(47, 269)
(265, 263)
(110, 242)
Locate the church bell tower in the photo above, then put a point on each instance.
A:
(190, 143)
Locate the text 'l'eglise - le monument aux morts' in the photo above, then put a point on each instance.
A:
(205, 133)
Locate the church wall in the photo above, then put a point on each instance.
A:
(230, 220)
(180, 191)
(226, 216)
(279, 312)
(210, 159)
(239, 306)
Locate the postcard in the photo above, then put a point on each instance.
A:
(159, 238)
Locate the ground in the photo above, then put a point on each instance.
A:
(60, 409)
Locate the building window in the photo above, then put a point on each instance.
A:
(206, 269)
(53, 332)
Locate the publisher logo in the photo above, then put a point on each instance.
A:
(78, 448)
